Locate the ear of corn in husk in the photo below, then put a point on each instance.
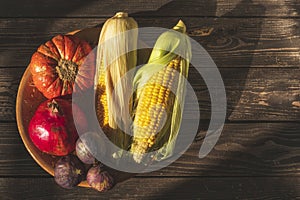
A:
(160, 91)
(118, 34)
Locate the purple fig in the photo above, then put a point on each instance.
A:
(89, 146)
(99, 180)
(69, 171)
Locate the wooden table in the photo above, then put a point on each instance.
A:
(255, 45)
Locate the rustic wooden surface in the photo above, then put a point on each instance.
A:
(256, 46)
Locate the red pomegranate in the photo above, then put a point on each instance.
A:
(52, 128)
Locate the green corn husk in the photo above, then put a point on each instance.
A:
(163, 53)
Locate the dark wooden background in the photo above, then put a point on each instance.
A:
(255, 44)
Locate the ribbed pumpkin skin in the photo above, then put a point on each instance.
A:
(61, 66)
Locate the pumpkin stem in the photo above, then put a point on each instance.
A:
(67, 70)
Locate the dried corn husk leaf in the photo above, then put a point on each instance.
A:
(118, 34)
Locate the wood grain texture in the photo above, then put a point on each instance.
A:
(159, 188)
(233, 42)
(98, 8)
(255, 45)
(244, 149)
(8, 92)
(252, 94)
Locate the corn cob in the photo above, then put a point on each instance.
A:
(157, 99)
(154, 112)
(111, 67)
(101, 101)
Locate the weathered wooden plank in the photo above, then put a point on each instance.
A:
(159, 188)
(260, 149)
(233, 42)
(40, 29)
(15, 160)
(253, 149)
(97, 8)
(8, 92)
(252, 94)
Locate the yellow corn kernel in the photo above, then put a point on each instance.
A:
(101, 101)
(155, 101)
(111, 67)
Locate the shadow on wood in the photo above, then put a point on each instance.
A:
(218, 41)
(222, 40)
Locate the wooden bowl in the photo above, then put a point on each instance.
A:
(29, 98)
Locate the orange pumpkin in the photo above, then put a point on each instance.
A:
(63, 65)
